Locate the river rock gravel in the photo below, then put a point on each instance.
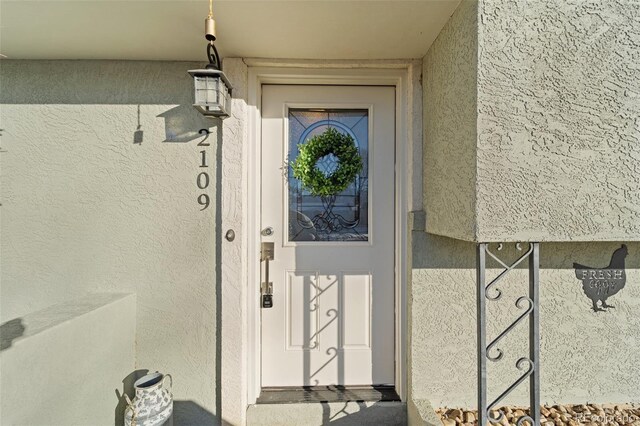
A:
(554, 415)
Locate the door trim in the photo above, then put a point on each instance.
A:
(398, 77)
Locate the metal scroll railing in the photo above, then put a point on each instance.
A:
(529, 365)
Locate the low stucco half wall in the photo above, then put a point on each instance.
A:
(65, 364)
(585, 356)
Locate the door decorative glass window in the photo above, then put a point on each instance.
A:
(343, 216)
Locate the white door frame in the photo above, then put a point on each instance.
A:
(393, 76)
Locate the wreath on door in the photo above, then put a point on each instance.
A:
(306, 170)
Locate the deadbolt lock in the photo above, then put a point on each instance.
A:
(267, 301)
(267, 295)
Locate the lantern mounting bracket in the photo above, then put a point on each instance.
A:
(212, 88)
(214, 58)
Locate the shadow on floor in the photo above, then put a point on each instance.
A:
(348, 413)
(358, 413)
(188, 413)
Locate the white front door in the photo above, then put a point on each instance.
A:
(332, 319)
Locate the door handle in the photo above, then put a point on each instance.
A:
(266, 288)
(266, 252)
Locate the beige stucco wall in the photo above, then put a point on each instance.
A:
(84, 208)
(449, 108)
(559, 120)
(556, 150)
(585, 356)
(68, 364)
(540, 142)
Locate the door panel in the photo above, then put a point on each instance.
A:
(332, 320)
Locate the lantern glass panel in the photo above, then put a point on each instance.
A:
(207, 88)
(212, 95)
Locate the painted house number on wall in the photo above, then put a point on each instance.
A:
(202, 181)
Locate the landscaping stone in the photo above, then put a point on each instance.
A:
(556, 415)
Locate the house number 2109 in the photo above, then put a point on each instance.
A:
(203, 177)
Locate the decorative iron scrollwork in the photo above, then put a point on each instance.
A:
(328, 221)
(530, 306)
(520, 364)
(506, 331)
(507, 269)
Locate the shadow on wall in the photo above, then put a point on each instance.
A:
(75, 85)
(10, 331)
(443, 323)
(116, 104)
(437, 252)
(97, 82)
(188, 412)
(182, 124)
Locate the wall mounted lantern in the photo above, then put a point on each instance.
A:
(212, 88)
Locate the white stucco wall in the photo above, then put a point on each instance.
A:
(84, 208)
(585, 356)
(558, 120)
(540, 142)
(449, 107)
(65, 364)
(233, 263)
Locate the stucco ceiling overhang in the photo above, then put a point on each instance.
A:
(173, 29)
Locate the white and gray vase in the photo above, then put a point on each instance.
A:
(153, 403)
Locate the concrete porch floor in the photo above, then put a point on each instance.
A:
(334, 413)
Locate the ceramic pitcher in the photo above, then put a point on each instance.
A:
(153, 403)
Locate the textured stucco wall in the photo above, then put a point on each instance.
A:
(449, 107)
(233, 266)
(557, 153)
(585, 356)
(559, 120)
(549, 152)
(84, 208)
(62, 365)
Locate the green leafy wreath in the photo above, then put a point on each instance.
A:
(330, 142)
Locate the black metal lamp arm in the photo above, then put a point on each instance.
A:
(214, 58)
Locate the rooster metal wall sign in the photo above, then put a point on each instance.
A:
(601, 283)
